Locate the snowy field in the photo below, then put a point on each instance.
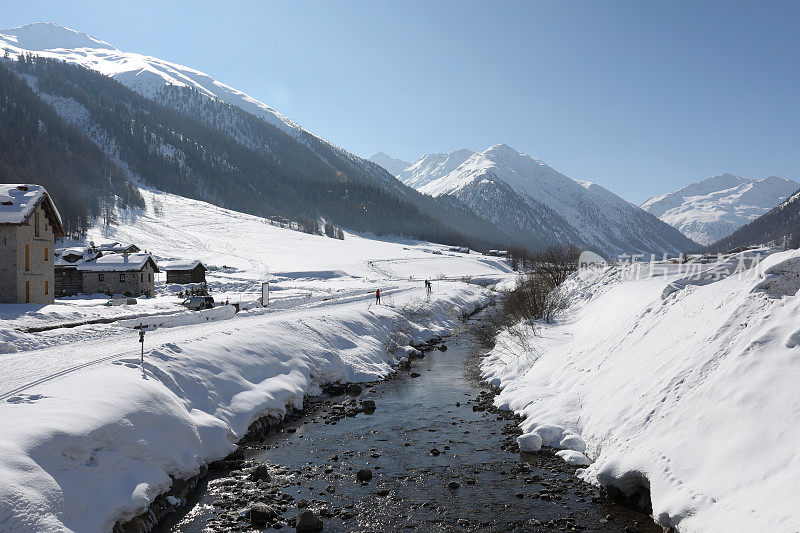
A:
(681, 385)
(90, 438)
(242, 251)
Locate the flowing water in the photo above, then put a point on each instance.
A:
(441, 460)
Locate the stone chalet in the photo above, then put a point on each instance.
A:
(29, 223)
(185, 272)
(126, 274)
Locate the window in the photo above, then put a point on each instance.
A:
(141, 276)
(46, 287)
(36, 223)
(101, 277)
(122, 277)
(27, 257)
(151, 277)
(27, 291)
(46, 253)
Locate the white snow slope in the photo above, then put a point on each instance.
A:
(713, 208)
(392, 165)
(144, 74)
(689, 392)
(431, 167)
(89, 439)
(581, 212)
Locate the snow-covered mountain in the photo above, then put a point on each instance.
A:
(432, 167)
(779, 226)
(144, 74)
(156, 79)
(531, 200)
(215, 143)
(713, 208)
(392, 165)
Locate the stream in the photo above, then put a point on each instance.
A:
(439, 456)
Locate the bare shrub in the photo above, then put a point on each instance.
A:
(556, 263)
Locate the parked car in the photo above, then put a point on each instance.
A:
(197, 303)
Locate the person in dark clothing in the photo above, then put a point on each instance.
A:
(428, 286)
(378, 296)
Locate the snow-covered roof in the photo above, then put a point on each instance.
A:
(183, 265)
(83, 254)
(18, 201)
(118, 263)
(116, 246)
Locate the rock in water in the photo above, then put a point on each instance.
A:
(368, 405)
(307, 522)
(260, 473)
(365, 474)
(354, 389)
(261, 514)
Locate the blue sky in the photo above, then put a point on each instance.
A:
(642, 97)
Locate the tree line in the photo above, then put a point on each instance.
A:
(38, 146)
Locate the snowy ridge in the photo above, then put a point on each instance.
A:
(144, 74)
(707, 425)
(431, 167)
(713, 208)
(583, 213)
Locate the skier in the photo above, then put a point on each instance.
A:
(378, 297)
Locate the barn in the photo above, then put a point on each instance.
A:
(185, 272)
(68, 279)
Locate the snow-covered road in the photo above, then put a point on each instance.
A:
(113, 342)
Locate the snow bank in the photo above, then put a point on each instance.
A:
(96, 446)
(692, 397)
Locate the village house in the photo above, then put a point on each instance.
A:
(126, 274)
(68, 279)
(29, 223)
(185, 272)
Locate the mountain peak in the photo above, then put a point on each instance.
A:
(51, 36)
(502, 148)
(393, 165)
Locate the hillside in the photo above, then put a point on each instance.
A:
(780, 227)
(190, 142)
(713, 208)
(533, 202)
(38, 146)
(676, 387)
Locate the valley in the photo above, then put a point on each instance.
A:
(215, 317)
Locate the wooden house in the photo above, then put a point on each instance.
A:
(185, 272)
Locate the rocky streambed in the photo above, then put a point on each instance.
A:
(424, 451)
